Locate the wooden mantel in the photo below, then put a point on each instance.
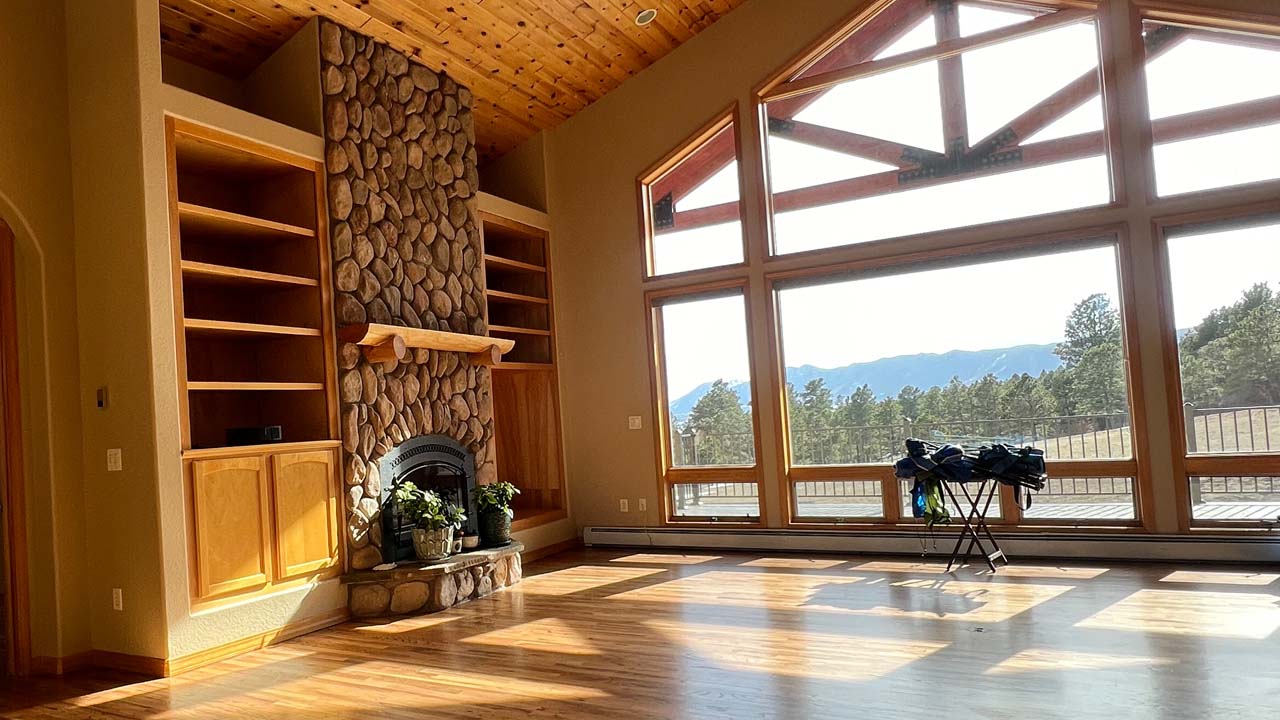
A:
(383, 343)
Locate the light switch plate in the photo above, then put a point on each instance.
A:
(622, 505)
(115, 460)
(642, 504)
(635, 422)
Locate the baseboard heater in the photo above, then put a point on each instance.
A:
(1081, 546)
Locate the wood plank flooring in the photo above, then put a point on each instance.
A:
(625, 634)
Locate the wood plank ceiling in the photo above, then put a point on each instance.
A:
(530, 63)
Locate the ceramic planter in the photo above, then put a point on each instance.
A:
(434, 544)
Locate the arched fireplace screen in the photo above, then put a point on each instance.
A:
(431, 462)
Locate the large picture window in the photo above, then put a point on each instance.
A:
(1026, 350)
(1226, 316)
(958, 199)
(959, 114)
(709, 429)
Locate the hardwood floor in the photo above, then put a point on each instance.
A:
(619, 634)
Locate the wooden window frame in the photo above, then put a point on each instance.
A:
(729, 117)
(669, 475)
(1135, 466)
(1187, 465)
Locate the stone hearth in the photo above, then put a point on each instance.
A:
(418, 588)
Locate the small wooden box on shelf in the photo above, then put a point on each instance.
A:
(526, 393)
(255, 348)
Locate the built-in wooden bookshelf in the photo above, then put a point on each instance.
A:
(252, 288)
(256, 348)
(526, 392)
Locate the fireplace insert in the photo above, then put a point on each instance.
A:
(431, 462)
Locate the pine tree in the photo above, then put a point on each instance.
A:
(721, 428)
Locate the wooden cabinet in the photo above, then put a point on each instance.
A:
(526, 396)
(256, 348)
(231, 506)
(306, 512)
(263, 519)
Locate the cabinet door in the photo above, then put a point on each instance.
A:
(232, 523)
(306, 512)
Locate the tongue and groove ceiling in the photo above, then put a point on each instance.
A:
(530, 63)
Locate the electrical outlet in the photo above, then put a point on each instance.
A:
(117, 599)
(635, 422)
(115, 460)
(622, 505)
(642, 504)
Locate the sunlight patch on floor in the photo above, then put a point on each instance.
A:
(890, 566)
(741, 589)
(1046, 572)
(985, 602)
(1183, 612)
(797, 653)
(1053, 660)
(1220, 578)
(792, 563)
(551, 635)
(659, 559)
(580, 578)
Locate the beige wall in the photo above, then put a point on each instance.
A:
(593, 160)
(35, 199)
(105, 80)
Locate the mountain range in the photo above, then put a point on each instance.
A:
(887, 376)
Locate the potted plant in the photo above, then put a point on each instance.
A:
(434, 520)
(494, 501)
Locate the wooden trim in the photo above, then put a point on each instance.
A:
(730, 117)
(543, 518)
(12, 473)
(257, 641)
(531, 556)
(236, 451)
(137, 664)
(940, 51)
(1177, 13)
(1144, 483)
(241, 144)
(497, 207)
(175, 260)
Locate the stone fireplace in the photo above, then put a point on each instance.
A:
(431, 462)
(401, 165)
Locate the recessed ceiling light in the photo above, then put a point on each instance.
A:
(646, 16)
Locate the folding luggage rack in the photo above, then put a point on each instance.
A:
(990, 466)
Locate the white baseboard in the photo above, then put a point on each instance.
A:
(1063, 545)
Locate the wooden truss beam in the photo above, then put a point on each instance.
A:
(946, 49)
(863, 146)
(1188, 126)
(886, 28)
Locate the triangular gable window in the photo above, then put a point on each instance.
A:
(947, 114)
